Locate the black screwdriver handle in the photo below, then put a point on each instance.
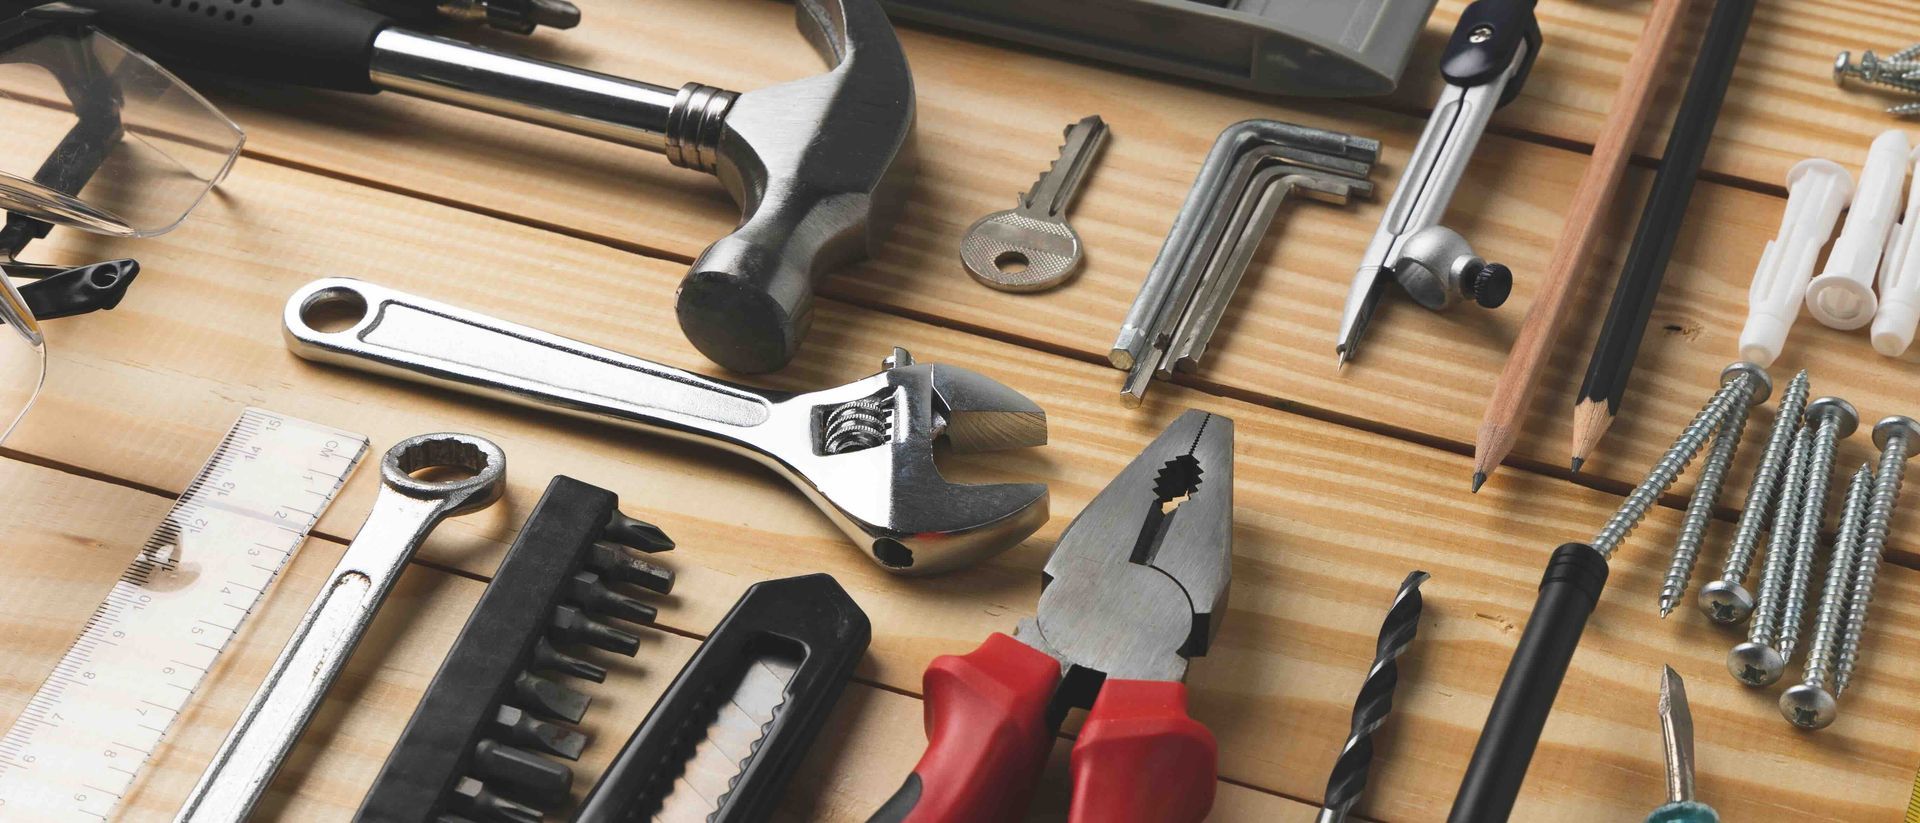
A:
(325, 44)
(1575, 575)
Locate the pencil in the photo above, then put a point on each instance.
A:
(1646, 265)
(1506, 408)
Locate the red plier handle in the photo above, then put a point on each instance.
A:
(1139, 757)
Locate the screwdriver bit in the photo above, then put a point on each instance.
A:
(548, 658)
(571, 625)
(520, 728)
(636, 534)
(620, 565)
(477, 800)
(586, 589)
(551, 699)
(522, 773)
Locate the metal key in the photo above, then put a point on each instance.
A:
(1031, 247)
(407, 509)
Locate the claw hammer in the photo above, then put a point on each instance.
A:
(818, 165)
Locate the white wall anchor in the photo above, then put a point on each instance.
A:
(1816, 192)
(1842, 296)
(1900, 281)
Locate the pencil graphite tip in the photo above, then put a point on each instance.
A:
(1479, 479)
(1577, 463)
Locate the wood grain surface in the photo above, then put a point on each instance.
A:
(1343, 483)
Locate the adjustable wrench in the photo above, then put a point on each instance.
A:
(405, 511)
(863, 452)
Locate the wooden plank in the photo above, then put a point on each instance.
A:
(92, 526)
(1782, 107)
(1329, 520)
(1422, 374)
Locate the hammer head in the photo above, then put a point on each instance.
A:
(820, 167)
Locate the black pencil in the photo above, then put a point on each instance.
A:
(1653, 241)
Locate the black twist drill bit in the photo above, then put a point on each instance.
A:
(1376, 699)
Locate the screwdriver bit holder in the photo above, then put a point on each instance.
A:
(480, 744)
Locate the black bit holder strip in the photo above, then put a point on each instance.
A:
(808, 622)
(478, 745)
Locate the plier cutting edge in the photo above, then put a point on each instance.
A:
(1135, 588)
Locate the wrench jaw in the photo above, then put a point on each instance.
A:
(915, 521)
(820, 167)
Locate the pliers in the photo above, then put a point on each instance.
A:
(1135, 588)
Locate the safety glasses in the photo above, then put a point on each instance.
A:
(93, 136)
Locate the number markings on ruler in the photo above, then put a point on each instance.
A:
(80, 742)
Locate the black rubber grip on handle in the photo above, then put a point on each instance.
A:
(324, 44)
(1575, 575)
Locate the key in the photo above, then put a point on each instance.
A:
(1031, 248)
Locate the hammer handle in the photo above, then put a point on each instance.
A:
(324, 44)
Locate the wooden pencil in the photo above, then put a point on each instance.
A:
(1660, 222)
(1506, 408)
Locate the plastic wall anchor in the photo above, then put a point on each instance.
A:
(1816, 192)
(1900, 281)
(1842, 296)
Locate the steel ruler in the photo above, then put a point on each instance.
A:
(79, 744)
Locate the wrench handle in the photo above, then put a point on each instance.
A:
(409, 337)
(297, 684)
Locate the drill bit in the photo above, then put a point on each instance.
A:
(1376, 699)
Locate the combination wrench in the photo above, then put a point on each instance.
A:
(863, 452)
(406, 510)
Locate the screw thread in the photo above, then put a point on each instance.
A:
(1370, 709)
(1806, 544)
(1907, 53)
(1905, 110)
(1766, 481)
(1735, 391)
(1773, 576)
(1829, 621)
(1873, 544)
(1883, 72)
(1693, 531)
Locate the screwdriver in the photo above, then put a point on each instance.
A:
(1676, 727)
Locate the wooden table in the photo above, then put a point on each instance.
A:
(1345, 483)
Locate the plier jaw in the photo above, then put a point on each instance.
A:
(1138, 581)
(1135, 587)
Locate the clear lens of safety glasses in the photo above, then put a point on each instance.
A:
(23, 358)
(96, 136)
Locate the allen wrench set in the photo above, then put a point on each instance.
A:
(1254, 166)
